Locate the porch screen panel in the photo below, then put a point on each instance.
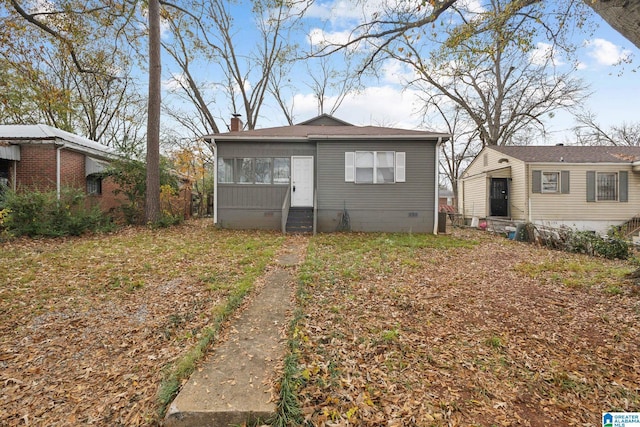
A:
(225, 170)
(281, 170)
(263, 171)
(245, 170)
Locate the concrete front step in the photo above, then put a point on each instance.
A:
(232, 386)
(300, 220)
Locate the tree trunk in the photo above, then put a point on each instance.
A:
(152, 199)
(622, 15)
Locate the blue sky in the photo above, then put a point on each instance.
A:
(384, 101)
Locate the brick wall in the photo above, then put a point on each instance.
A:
(36, 168)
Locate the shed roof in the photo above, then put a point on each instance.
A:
(333, 129)
(16, 134)
(571, 154)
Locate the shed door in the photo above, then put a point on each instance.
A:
(499, 197)
(302, 181)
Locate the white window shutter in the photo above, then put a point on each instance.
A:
(400, 167)
(349, 166)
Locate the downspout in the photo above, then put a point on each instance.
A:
(214, 148)
(526, 191)
(58, 173)
(14, 175)
(437, 185)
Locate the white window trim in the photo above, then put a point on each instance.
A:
(399, 166)
(558, 184)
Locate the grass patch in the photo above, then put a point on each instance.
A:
(576, 273)
(253, 266)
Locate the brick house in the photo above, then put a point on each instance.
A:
(46, 158)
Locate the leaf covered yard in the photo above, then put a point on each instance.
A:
(93, 328)
(465, 329)
(470, 329)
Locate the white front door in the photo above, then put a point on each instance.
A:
(302, 181)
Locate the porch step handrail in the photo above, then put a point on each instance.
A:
(630, 227)
(285, 212)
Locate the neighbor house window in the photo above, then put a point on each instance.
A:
(550, 181)
(245, 170)
(263, 171)
(225, 170)
(606, 186)
(94, 185)
(281, 170)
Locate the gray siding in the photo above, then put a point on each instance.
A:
(406, 206)
(265, 149)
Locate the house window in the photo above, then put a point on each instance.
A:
(94, 184)
(263, 171)
(364, 167)
(281, 170)
(550, 181)
(374, 167)
(225, 170)
(606, 186)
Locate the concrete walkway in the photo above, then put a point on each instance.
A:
(232, 385)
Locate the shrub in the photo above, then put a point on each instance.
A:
(611, 246)
(35, 213)
(131, 178)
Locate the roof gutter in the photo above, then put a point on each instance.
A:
(437, 185)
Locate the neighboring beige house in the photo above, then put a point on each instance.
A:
(586, 188)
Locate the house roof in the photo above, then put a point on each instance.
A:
(332, 129)
(16, 134)
(571, 154)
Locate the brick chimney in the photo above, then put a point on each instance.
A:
(236, 123)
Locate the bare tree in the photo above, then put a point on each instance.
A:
(246, 73)
(462, 147)
(327, 81)
(501, 84)
(589, 132)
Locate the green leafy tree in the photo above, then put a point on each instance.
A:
(131, 179)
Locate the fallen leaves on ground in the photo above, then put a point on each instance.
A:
(88, 325)
(469, 329)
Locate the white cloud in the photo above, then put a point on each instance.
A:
(345, 11)
(396, 72)
(320, 38)
(376, 105)
(605, 52)
(471, 6)
(175, 83)
(543, 53)
(41, 6)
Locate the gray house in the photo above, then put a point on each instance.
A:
(327, 175)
